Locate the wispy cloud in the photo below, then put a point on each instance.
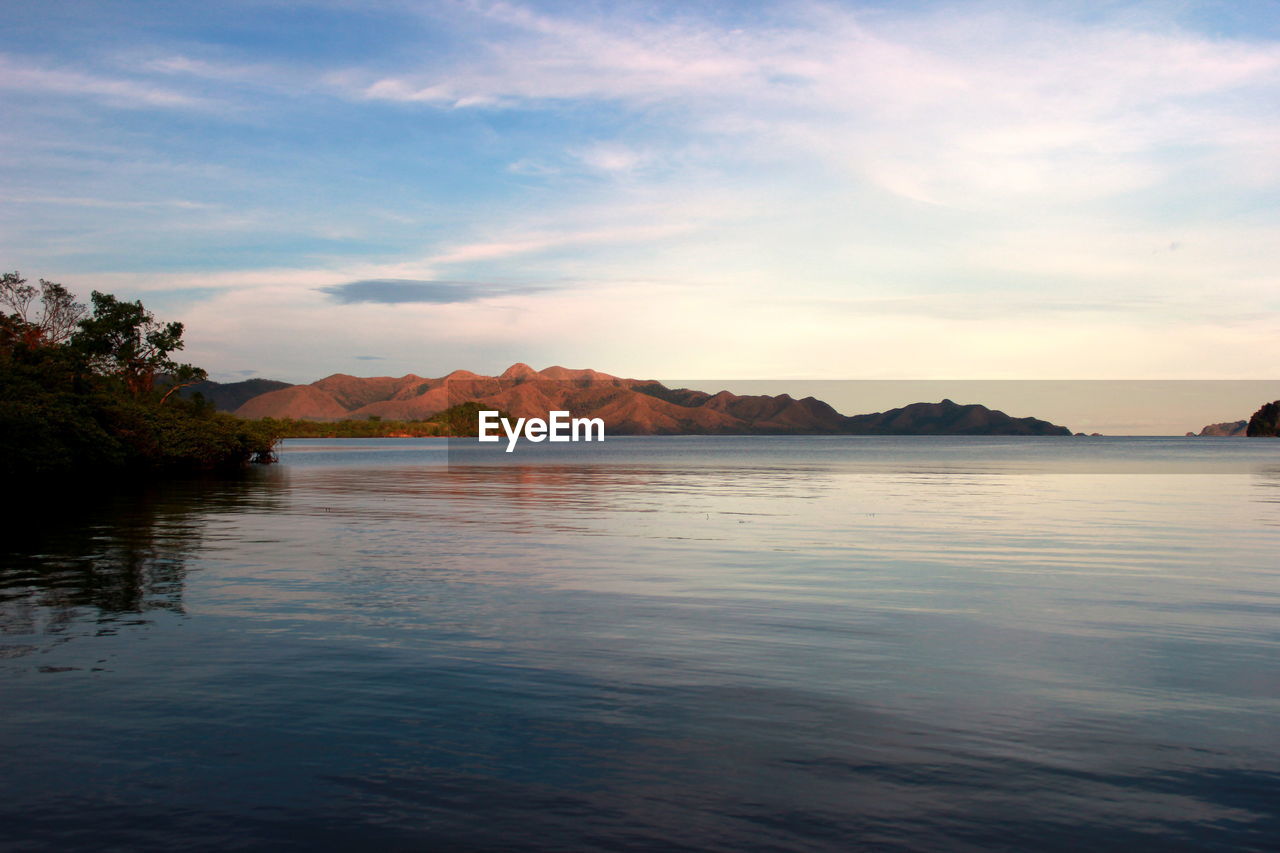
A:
(528, 243)
(958, 107)
(29, 75)
(80, 201)
(564, 58)
(612, 157)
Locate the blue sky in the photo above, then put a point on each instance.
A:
(818, 190)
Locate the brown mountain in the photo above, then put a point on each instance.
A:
(297, 401)
(628, 406)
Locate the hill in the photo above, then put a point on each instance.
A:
(229, 396)
(1230, 429)
(628, 406)
(948, 418)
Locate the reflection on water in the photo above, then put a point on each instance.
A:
(756, 643)
(88, 564)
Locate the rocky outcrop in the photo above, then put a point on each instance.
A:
(1230, 429)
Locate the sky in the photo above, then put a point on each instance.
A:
(800, 190)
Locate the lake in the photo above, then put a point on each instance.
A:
(665, 643)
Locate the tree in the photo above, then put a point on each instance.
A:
(125, 341)
(58, 317)
(77, 394)
(1265, 421)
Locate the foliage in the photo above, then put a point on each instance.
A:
(91, 394)
(460, 420)
(124, 341)
(59, 311)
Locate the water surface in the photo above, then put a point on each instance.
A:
(712, 644)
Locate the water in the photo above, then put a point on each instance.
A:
(710, 644)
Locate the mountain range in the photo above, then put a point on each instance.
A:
(628, 406)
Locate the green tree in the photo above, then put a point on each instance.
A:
(79, 395)
(125, 341)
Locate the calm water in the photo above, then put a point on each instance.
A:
(711, 644)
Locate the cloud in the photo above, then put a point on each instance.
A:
(24, 75)
(612, 157)
(570, 58)
(614, 327)
(179, 65)
(395, 291)
(964, 107)
(78, 201)
(785, 189)
(565, 236)
(369, 358)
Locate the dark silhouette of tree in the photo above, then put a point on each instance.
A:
(58, 316)
(1265, 422)
(125, 341)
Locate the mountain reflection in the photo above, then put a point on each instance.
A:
(90, 564)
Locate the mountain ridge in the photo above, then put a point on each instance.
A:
(229, 396)
(627, 406)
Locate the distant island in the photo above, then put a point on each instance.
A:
(1265, 423)
(394, 405)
